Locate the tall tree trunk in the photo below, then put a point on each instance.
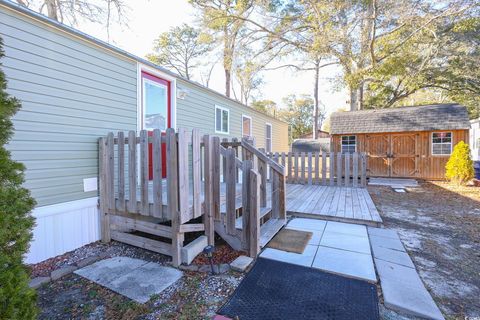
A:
(52, 9)
(353, 99)
(315, 100)
(227, 82)
(360, 96)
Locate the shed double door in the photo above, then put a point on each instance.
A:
(392, 155)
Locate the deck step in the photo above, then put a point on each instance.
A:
(269, 229)
(263, 212)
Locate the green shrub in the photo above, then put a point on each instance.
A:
(17, 300)
(459, 168)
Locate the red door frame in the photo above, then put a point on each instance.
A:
(146, 75)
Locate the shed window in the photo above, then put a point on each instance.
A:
(268, 137)
(222, 120)
(246, 126)
(441, 143)
(349, 144)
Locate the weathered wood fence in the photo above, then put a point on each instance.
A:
(325, 168)
(136, 197)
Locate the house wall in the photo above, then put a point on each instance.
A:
(74, 91)
(428, 166)
(475, 139)
(197, 110)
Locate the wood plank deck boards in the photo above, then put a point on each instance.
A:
(345, 204)
(323, 202)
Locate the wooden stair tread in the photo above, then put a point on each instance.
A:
(263, 212)
(269, 229)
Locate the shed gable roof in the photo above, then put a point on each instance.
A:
(401, 119)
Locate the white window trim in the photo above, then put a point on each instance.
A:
(271, 136)
(431, 144)
(348, 135)
(251, 124)
(173, 87)
(215, 118)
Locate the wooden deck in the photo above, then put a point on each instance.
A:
(345, 204)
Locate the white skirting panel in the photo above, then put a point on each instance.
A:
(63, 227)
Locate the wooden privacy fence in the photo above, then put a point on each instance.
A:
(137, 198)
(325, 168)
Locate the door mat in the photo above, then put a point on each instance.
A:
(290, 240)
(279, 290)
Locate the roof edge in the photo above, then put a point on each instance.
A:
(64, 28)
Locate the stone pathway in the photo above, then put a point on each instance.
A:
(134, 278)
(335, 247)
(401, 286)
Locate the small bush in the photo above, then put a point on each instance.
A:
(459, 168)
(17, 300)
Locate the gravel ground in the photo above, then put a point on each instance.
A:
(439, 225)
(194, 296)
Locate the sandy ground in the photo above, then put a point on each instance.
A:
(439, 225)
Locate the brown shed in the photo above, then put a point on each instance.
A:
(413, 142)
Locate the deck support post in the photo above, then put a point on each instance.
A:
(254, 214)
(172, 195)
(208, 188)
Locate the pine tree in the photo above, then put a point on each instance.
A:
(17, 300)
(459, 168)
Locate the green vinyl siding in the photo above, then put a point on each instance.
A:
(197, 110)
(72, 92)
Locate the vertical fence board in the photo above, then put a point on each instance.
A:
(183, 175)
(331, 169)
(324, 168)
(132, 172)
(347, 169)
(208, 206)
(121, 171)
(262, 170)
(317, 167)
(110, 165)
(237, 170)
(157, 174)
(363, 169)
(172, 195)
(289, 174)
(196, 174)
(310, 179)
(254, 212)
(216, 178)
(302, 160)
(339, 169)
(230, 191)
(102, 162)
(144, 172)
(246, 169)
(355, 169)
(295, 178)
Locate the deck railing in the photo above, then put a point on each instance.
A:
(324, 168)
(150, 179)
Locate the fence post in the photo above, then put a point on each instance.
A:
(216, 178)
(102, 166)
(247, 166)
(230, 200)
(172, 195)
(364, 169)
(208, 205)
(254, 215)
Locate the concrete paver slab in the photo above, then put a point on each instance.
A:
(145, 281)
(389, 243)
(303, 259)
(134, 278)
(394, 256)
(346, 242)
(404, 291)
(382, 232)
(310, 224)
(346, 228)
(352, 264)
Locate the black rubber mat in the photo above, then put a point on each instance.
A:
(278, 290)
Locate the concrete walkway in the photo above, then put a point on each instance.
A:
(402, 288)
(335, 247)
(133, 278)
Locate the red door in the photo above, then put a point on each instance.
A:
(156, 112)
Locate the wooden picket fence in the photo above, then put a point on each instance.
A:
(324, 168)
